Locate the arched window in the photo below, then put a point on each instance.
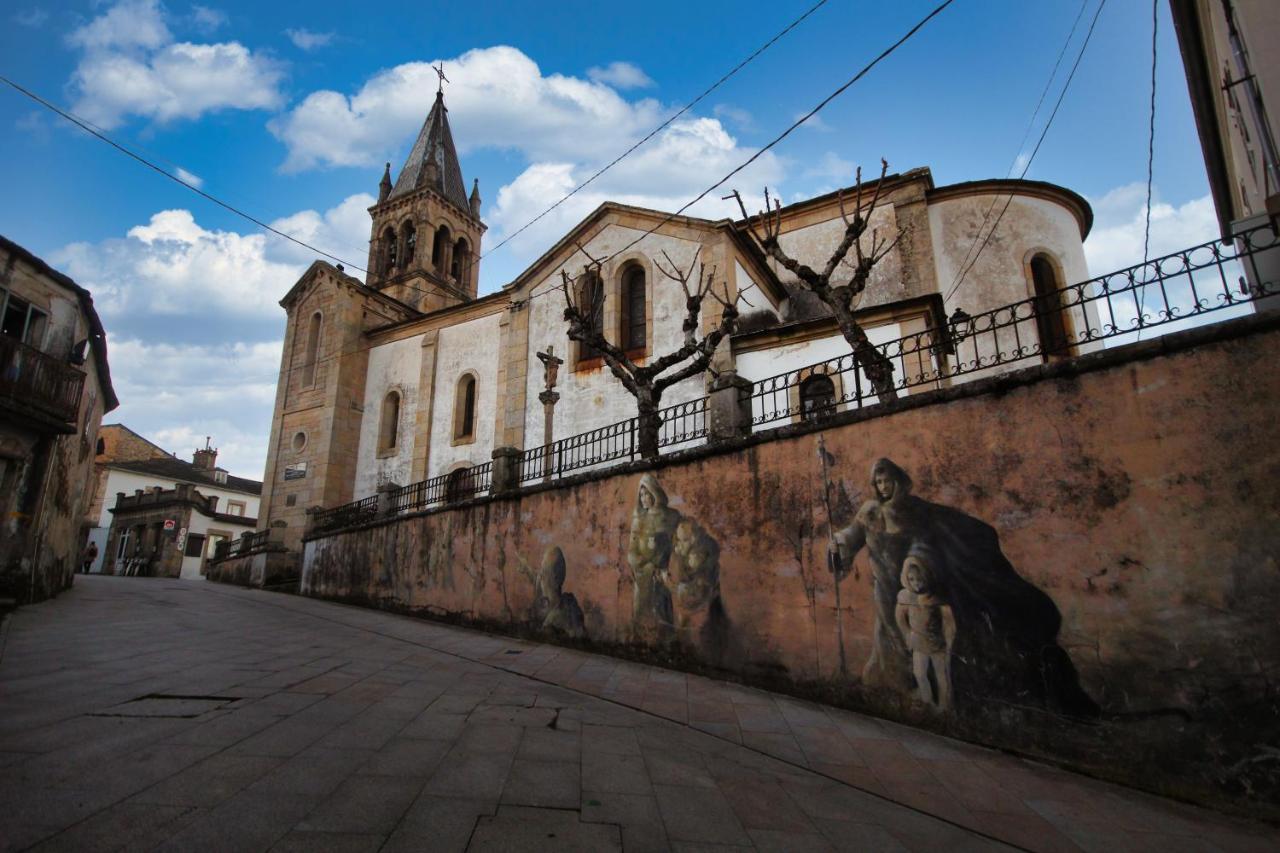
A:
(464, 408)
(389, 428)
(817, 397)
(634, 332)
(409, 238)
(389, 250)
(440, 248)
(312, 351)
(1051, 321)
(591, 304)
(461, 259)
(459, 486)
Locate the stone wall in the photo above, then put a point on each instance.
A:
(1076, 561)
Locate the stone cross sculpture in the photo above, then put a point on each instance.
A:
(550, 370)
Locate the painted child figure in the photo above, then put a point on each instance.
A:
(927, 624)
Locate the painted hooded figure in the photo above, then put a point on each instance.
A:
(1006, 644)
(653, 527)
(554, 609)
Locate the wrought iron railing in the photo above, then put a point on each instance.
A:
(246, 544)
(1115, 308)
(346, 515)
(1160, 294)
(681, 424)
(34, 380)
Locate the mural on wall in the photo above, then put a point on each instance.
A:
(553, 610)
(953, 619)
(675, 574)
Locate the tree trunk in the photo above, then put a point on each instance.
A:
(648, 424)
(876, 365)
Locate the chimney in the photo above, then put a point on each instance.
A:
(205, 457)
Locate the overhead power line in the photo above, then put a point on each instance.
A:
(171, 176)
(1043, 133)
(716, 85)
(1031, 123)
(1151, 162)
(810, 114)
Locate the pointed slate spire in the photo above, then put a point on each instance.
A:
(434, 146)
(384, 186)
(475, 198)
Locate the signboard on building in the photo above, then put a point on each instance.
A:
(170, 525)
(295, 471)
(182, 538)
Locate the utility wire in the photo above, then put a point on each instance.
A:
(1048, 84)
(150, 165)
(821, 104)
(716, 85)
(1151, 161)
(1043, 133)
(92, 130)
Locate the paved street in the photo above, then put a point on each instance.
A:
(147, 714)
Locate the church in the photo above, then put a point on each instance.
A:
(411, 374)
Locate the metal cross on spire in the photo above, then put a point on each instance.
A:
(439, 69)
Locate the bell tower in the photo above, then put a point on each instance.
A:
(425, 245)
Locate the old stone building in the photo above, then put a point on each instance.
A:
(55, 387)
(126, 463)
(412, 375)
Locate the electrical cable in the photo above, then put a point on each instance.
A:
(1048, 84)
(791, 26)
(1043, 133)
(1151, 161)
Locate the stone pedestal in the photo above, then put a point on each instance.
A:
(386, 498)
(506, 470)
(729, 407)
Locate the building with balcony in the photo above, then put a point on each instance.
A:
(127, 463)
(55, 387)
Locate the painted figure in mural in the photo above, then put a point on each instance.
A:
(1006, 643)
(693, 576)
(553, 609)
(928, 625)
(653, 527)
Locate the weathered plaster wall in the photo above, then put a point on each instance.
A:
(813, 245)
(1135, 504)
(593, 398)
(392, 366)
(470, 347)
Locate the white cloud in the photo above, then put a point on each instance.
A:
(173, 267)
(308, 40)
(499, 98)
(833, 166)
(621, 75)
(207, 19)
(738, 117)
(132, 66)
(31, 18)
(814, 122)
(193, 322)
(682, 162)
(176, 394)
(1119, 222)
(193, 179)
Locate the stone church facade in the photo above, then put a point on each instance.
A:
(412, 375)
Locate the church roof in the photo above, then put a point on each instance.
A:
(435, 141)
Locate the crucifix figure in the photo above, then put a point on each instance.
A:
(550, 366)
(550, 369)
(439, 69)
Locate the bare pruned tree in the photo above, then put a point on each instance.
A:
(842, 299)
(647, 382)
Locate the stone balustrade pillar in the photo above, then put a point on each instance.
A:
(729, 407)
(506, 470)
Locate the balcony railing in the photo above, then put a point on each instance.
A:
(1164, 294)
(32, 380)
(246, 544)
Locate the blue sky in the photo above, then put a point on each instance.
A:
(288, 111)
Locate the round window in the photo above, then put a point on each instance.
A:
(299, 440)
